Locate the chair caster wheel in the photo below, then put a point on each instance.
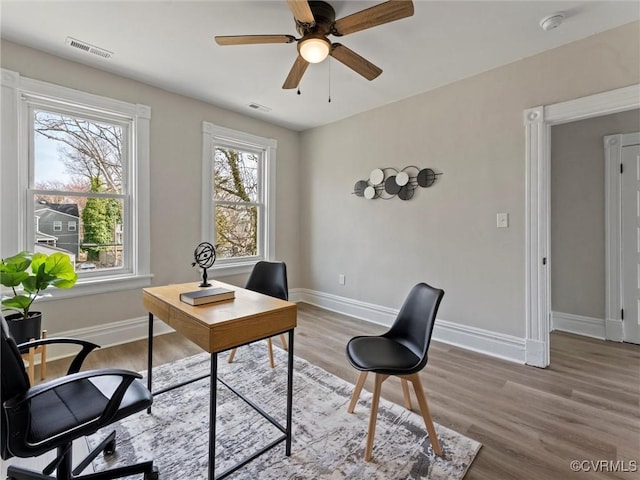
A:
(153, 475)
(110, 449)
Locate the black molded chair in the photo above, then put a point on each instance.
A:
(401, 351)
(268, 278)
(35, 420)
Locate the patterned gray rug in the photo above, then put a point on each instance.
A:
(328, 442)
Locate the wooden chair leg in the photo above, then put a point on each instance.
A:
(424, 409)
(43, 358)
(374, 415)
(405, 394)
(283, 339)
(356, 391)
(231, 355)
(270, 346)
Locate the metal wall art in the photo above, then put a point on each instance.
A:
(388, 182)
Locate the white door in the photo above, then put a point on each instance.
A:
(630, 242)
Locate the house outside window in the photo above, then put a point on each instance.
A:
(81, 162)
(238, 197)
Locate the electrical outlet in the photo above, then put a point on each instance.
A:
(341, 279)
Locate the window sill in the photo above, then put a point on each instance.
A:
(229, 269)
(96, 286)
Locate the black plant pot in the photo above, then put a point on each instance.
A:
(24, 330)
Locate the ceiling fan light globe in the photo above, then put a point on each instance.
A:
(314, 50)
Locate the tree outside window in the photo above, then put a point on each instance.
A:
(237, 202)
(78, 171)
(238, 188)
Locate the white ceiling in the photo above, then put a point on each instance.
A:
(170, 45)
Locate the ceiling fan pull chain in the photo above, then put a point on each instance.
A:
(298, 90)
(329, 62)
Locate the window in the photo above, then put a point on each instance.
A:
(79, 160)
(238, 197)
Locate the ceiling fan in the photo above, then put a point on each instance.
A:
(315, 20)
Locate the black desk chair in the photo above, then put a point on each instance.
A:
(35, 420)
(268, 278)
(402, 351)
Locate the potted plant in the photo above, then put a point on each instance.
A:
(28, 274)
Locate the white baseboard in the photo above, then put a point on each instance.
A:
(614, 330)
(579, 325)
(108, 335)
(535, 354)
(479, 340)
(495, 344)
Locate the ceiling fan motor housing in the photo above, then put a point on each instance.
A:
(324, 15)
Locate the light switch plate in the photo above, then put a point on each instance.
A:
(502, 220)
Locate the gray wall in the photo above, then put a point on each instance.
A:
(473, 132)
(578, 214)
(175, 162)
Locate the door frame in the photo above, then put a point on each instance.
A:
(613, 145)
(538, 122)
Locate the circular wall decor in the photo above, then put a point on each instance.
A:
(386, 183)
(426, 177)
(377, 176)
(391, 186)
(359, 187)
(369, 192)
(402, 178)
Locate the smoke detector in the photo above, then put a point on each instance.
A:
(552, 21)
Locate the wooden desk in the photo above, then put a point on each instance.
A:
(220, 326)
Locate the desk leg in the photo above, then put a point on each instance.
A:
(212, 415)
(149, 355)
(289, 395)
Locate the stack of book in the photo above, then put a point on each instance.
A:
(209, 295)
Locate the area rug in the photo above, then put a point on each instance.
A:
(328, 443)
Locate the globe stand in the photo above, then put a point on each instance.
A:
(204, 279)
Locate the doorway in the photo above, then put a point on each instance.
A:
(623, 159)
(585, 258)
(538, 122)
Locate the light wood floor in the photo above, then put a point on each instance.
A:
(532, 422)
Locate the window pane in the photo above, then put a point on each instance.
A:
(76, 154)
(236, 231)
(235, 175)
(96, 244)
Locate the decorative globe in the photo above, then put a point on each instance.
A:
(204, 256)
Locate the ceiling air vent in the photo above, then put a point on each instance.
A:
(87, 47)
(260, 108)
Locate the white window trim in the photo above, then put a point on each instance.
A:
(14, 179)
(210, 135)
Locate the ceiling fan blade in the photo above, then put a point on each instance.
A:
(296, 72)
(253, 39)
(354, 61)
(301, 11)
(371, 17)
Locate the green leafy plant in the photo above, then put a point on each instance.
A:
(28, 274)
